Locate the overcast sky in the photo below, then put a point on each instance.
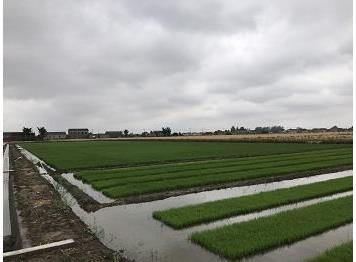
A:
(199, 65)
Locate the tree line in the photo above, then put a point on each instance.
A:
(28, 134)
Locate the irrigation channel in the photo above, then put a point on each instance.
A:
(131, 228)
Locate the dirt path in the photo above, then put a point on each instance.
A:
(45, 219)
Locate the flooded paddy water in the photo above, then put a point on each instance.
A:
(132, 229)
(87, 189)
(307, 248)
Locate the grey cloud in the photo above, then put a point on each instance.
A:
(188, 64)
(198, 16)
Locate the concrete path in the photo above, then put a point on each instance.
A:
(6, 198)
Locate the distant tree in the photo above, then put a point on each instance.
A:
(27, 133)
(144, 134)
(126, 132)
(166, 131)
(156, 133)
(233, 129)
(277, 129)
(266, 130)
(42, 132)
(260, 130)
(219, 132)
(227, 132)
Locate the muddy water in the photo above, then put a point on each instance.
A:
(132, 228)
(308, 248)
(87, 189)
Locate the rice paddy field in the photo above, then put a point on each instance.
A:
(129, 169)
(96, 154)
(195, 164)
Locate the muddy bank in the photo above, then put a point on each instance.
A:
(45, 218)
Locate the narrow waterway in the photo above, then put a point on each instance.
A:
(87, 189)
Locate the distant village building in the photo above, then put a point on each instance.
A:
(316, 130)
(101, 135)
(78, 133)
(18, 136)
(12, 136)
(337, 129)
(55, 135)
(114, 134)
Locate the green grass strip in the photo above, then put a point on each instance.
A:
(182, 183)
(96, 175)
(201, 213)
(341, 253)
(106, 183)
(260, 235)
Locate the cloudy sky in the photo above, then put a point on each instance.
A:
(199, 65)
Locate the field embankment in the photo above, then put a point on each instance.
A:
(45, 218)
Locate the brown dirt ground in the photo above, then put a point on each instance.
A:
(45, 219)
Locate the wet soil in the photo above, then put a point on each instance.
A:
(45, 219)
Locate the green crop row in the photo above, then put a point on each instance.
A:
(179, 168)
(213, 179)
(260, 235)
(107, 183)
(201, 213)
